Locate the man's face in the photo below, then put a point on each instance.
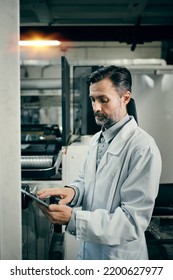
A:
(107, 104)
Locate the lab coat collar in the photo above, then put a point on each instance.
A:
(121, 138)
(110, 133)
(124, 133)
(119, 141)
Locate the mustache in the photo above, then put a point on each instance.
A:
(98, 114)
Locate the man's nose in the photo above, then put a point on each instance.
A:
(96, 106)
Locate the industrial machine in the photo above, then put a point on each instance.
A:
(40, 151)
(159, 234)
(41, 167)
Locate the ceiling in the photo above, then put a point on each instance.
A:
(131, 21)
(99, 12)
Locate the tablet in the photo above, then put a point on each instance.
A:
(37, 199)
(45, 201)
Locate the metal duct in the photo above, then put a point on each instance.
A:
(38, 84)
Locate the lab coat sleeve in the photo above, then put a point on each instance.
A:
(131, 218)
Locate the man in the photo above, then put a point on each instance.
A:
(119, 181)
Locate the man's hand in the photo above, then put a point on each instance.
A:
(57, 214)
(66, 194)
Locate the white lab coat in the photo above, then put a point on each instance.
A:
(118, 199)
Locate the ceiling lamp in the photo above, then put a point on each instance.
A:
(39, 43)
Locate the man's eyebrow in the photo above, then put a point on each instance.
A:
(103, 95)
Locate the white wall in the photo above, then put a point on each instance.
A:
(154, 99)
(10, 183)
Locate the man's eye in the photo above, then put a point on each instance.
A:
(104, 100)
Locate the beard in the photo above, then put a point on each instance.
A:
(103, 120)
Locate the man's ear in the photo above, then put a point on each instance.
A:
(126, 97)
